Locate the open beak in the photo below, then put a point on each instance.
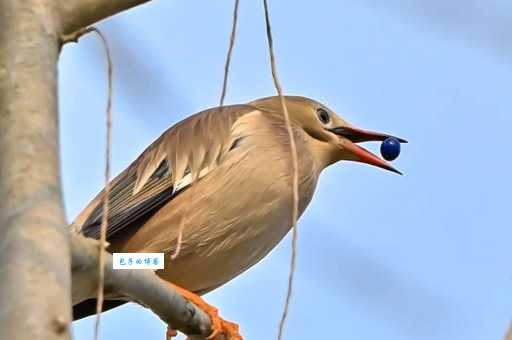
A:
(352, 135)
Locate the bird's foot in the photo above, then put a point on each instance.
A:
(171, 333)
(221, 329)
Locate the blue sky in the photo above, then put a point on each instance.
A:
(420, 256)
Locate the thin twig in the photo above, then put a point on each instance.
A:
(106, 193)
(230, 52)
(295, 188)
(108, 155)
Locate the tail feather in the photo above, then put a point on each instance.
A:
(88, 307)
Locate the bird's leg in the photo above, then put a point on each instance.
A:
(221, 329)
(171, 333)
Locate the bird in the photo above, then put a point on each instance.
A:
(226, 173)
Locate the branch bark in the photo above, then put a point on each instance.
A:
(34, 238)
(141, 286)
(76, 14)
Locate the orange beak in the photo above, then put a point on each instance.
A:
(352, 135)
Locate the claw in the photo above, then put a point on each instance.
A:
(221, 329)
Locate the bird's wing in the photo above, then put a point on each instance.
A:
(185, 152)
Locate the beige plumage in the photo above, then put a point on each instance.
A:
(238, 160)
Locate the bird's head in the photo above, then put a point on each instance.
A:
(332, 138)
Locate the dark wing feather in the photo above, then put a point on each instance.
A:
(127, 208)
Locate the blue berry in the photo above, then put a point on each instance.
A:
(390, 148)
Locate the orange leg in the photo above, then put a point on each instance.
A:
(171, 333)
(221, 329)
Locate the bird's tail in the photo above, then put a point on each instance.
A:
(88, 307)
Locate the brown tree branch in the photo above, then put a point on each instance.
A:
(141, 286)
(76, 14)
(34, 238)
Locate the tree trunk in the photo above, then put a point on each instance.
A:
(35, 242)
(34, 239)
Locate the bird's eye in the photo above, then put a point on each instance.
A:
(323, 116)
